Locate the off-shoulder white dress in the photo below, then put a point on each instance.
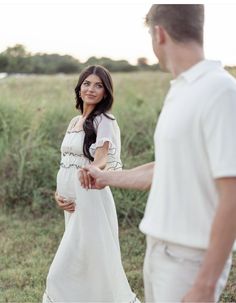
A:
(87, 266)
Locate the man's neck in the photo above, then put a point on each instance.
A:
(184, 56)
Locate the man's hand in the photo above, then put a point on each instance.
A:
(91, 177)
(65, 204)
(199, 293)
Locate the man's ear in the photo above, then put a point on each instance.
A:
(160, 34)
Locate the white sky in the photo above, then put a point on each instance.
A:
(115, 30)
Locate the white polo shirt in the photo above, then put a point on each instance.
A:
(195, 142)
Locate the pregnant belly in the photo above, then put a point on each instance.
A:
(66, 182)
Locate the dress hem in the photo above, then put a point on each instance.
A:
(49, 299)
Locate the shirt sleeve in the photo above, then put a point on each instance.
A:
(108, 131)
(219, 128)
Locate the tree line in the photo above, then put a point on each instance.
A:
(17, 60)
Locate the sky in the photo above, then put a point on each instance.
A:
(110, 29)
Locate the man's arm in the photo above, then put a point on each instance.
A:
(136, 178)
(223, 235)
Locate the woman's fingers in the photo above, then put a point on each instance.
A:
(81, 177)
(92, 184)
(89, 178)
(69, 207)
(65, 204)
(60, 200)
(85, 179)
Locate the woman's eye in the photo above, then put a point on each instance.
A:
(85, 84)
(99, 86)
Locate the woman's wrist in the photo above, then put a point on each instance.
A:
(99, 165)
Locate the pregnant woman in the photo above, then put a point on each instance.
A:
(87, 266)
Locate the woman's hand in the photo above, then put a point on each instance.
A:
(92, 177)
(85, 179)
(65, 204)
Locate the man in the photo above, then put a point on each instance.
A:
(190, 217)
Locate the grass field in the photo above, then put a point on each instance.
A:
(34, 113)
(27, 246)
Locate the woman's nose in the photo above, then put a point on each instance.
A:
(91, 88)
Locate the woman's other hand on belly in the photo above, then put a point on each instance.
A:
(64, 203)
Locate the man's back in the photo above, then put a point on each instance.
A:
(194, 144)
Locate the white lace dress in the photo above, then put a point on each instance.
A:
(87, 266)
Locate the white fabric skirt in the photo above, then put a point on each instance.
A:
(87, 266)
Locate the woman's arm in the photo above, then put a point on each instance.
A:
(100, 160)
(100, 157)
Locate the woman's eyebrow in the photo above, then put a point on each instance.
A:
(100, 82)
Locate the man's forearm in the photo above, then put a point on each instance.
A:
(136, 178)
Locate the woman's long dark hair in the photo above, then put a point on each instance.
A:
(101, 108)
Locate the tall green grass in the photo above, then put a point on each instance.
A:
(34, 114)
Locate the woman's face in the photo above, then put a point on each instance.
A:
(92, 90)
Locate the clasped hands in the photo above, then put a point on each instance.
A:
(90, 177)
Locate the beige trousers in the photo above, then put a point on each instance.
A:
(170, 271)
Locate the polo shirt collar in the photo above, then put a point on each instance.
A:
(198, 70)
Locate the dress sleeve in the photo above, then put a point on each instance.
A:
(108, 131)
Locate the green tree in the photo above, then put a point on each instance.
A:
(16, 51)
(3, 63)
(111, 65)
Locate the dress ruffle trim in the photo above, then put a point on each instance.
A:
(114, 162)
(111, 150)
